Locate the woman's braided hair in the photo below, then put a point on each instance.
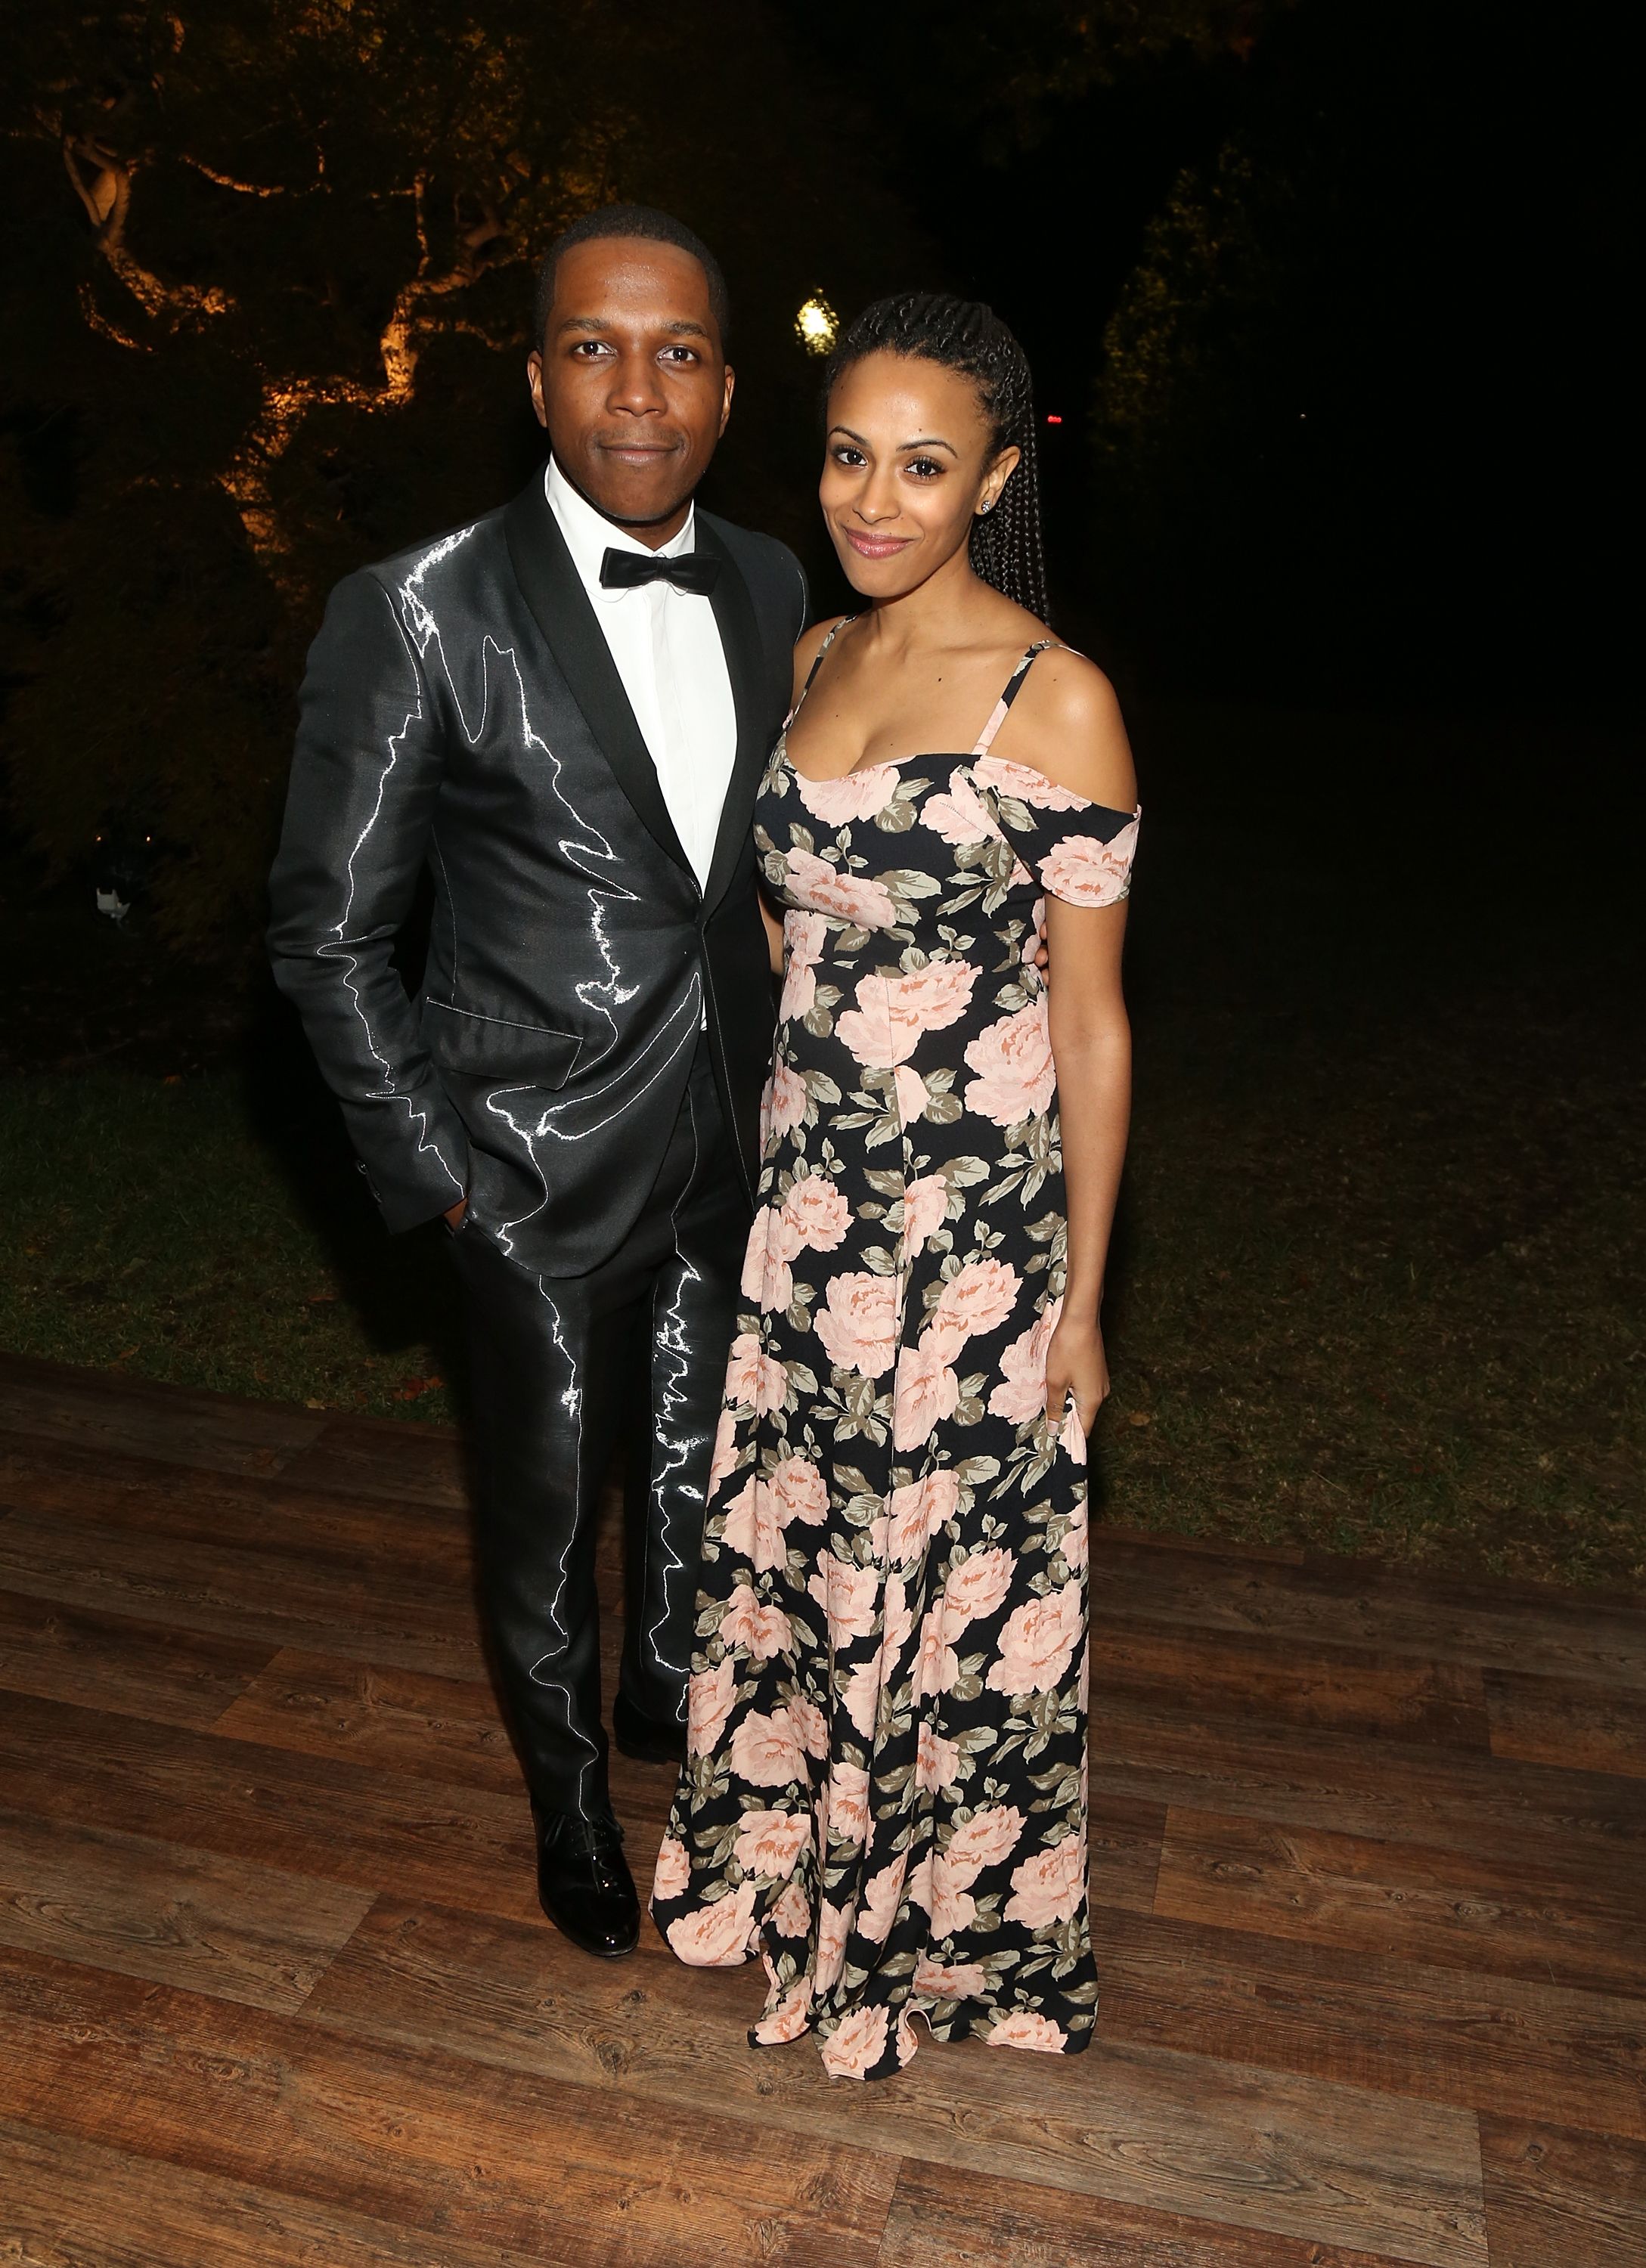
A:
(963, 335)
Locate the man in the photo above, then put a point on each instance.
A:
(563, 710)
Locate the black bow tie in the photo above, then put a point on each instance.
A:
(696, 572)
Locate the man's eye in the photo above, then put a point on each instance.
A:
(589, 347)
(681, 354)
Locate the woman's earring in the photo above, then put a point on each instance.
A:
(987, 507)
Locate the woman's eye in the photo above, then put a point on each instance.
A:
(846, 455)
(924, 468)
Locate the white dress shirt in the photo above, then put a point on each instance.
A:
(666, 645)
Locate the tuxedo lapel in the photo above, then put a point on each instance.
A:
(746, 667)
(560, 607)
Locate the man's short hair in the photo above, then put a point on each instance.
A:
(644, 221)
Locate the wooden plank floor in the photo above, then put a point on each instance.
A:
(1368, 1875)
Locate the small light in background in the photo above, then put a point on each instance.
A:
(817, 326)
(1054, 421)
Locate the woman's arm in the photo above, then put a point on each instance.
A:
(1091, 1046)
(1068, 726)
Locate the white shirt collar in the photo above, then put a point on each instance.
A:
(589, 534)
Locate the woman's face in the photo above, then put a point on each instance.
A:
(908, 462)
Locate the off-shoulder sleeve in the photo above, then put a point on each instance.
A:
(1079, 851)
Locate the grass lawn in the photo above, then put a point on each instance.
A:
(1377, 1279)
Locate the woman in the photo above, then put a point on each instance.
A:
(884, 1789)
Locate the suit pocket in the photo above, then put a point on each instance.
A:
(489, 1046)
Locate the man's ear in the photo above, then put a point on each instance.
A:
(726, 405)
(535, 381)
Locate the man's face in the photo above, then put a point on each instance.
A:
(630, 381)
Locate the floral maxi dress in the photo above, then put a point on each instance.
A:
(884, 1789)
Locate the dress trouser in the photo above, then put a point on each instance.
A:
(562, 1368)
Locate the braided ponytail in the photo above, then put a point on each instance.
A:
(964, 335)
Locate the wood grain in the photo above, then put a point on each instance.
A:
(516, 2160)
(438, 1727)
(1482, 2042)
(944, 2218)
(1171, 2132)
(384, 1457)
(239, 1592)
(1339, 1688)
(1578, 1924)
(345, 1822)
(69, 2204)
(1556, 2200)
(185, 1425)
(140, 1669)
(1340, 1602)
(1552, 1720)
(1404, 1792)
(179, 1916)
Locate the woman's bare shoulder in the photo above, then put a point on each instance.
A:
(810, 644)
(1066, 723)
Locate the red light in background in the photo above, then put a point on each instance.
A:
(1054, 421)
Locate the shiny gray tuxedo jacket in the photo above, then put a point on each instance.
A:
(461, 710)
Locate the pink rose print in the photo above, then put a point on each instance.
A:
(673, 1870)
(773, 1242)
(1034, 932)
(981, 1841)
(1039, 1642)
(893, 1011)
(979, 1298)
(708, 1705)
(849, 897)
(816, 1209)
(926, 1391)
(925, 1207)
(771, 1841)
(1029, 786)
(1021, 1395)
(1026, 2027)
(792, 1915)
(846, 1803)
(716, 1936)
(755, 1379)
(1072, 1437)
(881, 1897)
(977, 1587)
(952, 1907)
(858, 2043)
(849, 1596)
(862, 1697)
(965, 1980)
(849, 795)
(834, 1926)
(918, 1511)
(811, 1727)
(1083, 871)
(896, 1624)
(753, 1528)
(935, 1665)
(792, 2015)
(1048, 1887)
(912, 1095)
(958, 816)
(799, 1491)
(725, 1460)
(857, 1323)
(1076, 1538)
(804, 937)
(765, 1752)
(1016, 1077)
(937, 1762)
(783, 1105)
(763, 1630)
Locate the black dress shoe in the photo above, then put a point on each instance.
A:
(584, 1883)
(648, 1739)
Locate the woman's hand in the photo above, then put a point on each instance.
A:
(1077, 1366)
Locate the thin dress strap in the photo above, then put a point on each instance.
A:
(817, 661)
(1010, 695)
